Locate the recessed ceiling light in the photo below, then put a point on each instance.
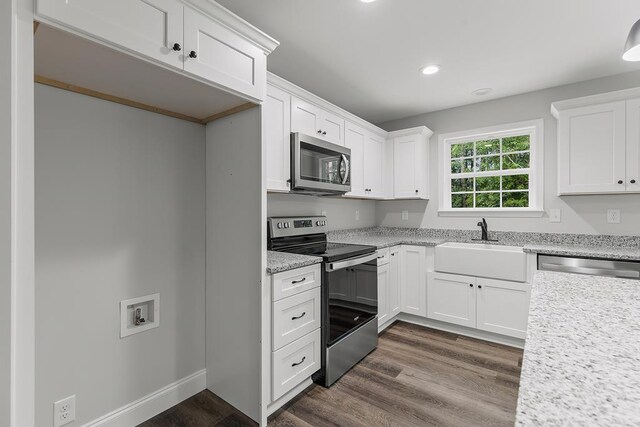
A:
(367, 1)
(632, 47)
(482, 92)
(430, 69)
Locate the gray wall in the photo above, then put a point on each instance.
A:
(341, 213)
(120, 213)
(5, 216)
(580, 214)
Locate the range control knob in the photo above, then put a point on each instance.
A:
(318, 223)
(286, 225)
(324, 222)
(279, 225)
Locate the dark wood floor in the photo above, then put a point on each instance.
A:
(416, 377)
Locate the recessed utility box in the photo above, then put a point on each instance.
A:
(139, 314)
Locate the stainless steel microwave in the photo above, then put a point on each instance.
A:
(319, 167)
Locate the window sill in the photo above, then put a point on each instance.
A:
(492, 213)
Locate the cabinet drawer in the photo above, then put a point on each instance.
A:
(383, 256)
(293, 282)
(295, 317)
(294, 363)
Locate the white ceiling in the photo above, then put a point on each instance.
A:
(365, 57)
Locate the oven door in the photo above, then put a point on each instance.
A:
(319, 166)
(351, 296)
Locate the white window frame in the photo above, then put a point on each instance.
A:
(534, 128)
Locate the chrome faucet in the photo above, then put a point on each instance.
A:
(485, 231)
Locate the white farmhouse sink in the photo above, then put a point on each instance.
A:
(482, 260)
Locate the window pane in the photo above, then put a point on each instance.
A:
(490, 146)
(491, 163)
(487, 200)
(515, 182)
(515, 143)
(515, 161)
(461, 184)
(462, 200)
(488, 183)
(467, 165)
(456, 166)
(462, 150)
(517, 199)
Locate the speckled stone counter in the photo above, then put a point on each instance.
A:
(282, 261)
(582, 353)
(584, 245)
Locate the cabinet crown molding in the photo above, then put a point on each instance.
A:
(601, 98)
(238, 25)
(423, 130)
(305, 95)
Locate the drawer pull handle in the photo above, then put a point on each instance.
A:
(299, 317)
(298, 281)
(299, 363)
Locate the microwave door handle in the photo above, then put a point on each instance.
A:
(346, 168)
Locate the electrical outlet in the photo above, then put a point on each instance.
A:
(555, 215)
(64, 411)
(613, 216)
(405, 215)
(357, 215)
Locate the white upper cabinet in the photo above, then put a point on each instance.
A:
(149, 27)
(374, 147)
(277, 131)
(410, 163)
(315, 121)
(355, 139)
(217, 54)
(633, 146)
(413, 280)
(599, 143)
(210, 43)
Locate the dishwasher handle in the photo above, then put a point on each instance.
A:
(592, 267)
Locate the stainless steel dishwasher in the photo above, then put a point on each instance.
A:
(590, 266)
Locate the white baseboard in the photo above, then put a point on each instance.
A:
(154, 403)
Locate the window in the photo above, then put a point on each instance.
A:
(492, 170)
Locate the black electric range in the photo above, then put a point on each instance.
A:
(349, 291)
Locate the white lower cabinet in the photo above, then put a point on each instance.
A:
(294, 363)
(497, 306)
(413, 280)
(388, 284)
(295, 328)
(384, 311)
(452, 298)
(503, 307)
(394, 281)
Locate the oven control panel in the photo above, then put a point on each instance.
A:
(296, 226)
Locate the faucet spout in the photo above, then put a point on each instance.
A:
(483, 226)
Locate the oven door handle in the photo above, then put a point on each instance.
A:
(333, 266)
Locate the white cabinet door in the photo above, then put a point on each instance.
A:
(633, 146)
(355, 138)
(315, 121)
(146, 27)
(383, 294)
(332, 128)
(591, 149)
(503, 307)
(277, 131)
(374, 147)
(452, 298)
(394, 281)
(222, 57)
(413, 280)
(410, 167)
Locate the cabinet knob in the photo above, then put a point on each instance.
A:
(193, 54)
(324, 132)
(177, 47)
(633, 181)
(620, 181)
(320, 131)
(479, 286)
(416, 191)
(471, 285)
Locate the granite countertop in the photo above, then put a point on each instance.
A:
(384, 241)
(581, 361)
(283, 261)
